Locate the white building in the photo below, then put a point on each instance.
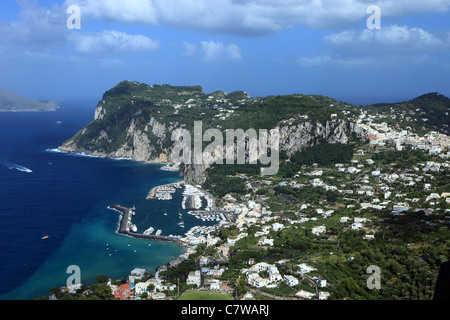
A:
(318, 230)
(290, 280)
(266, 242)
(136, 274)
(277, 226)
(194, 277)
(304, 294)
(324, 295)
(304, 268)
(274, 274)
(141, 287)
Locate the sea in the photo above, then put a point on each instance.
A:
(66, 196)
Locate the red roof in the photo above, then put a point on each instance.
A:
(123, 292)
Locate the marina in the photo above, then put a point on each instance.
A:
(126, 223)
(194, 197)
(200, 204)
(208, 215)
(164, 192)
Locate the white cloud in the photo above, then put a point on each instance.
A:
(391, 45)
(112, 41)
(37, 28)
(130, 11)
(397, 38)
(328, 60)
(189, 49)
(251, 17)
(217, 51)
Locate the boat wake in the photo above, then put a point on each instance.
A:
(14, 166)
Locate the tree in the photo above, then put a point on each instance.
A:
(241, 286)
(101, 291)
(67, 296)
(102, 279)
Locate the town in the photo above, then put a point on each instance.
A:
(313, 235)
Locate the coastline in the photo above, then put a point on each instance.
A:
(67, 150)
(125, 222)
(82, 154)
(194, 194)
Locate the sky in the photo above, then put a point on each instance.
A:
(336, 48)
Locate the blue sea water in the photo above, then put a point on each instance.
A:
(66, 196)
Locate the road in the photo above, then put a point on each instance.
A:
(313, 282)
(261, 293)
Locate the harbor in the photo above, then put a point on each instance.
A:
(195, 202)
(193, 196)
(164, 192)
(209, 215)
(125, 227)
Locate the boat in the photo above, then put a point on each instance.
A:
(149, 231)
(45, 237)
(133, 228)
(165, 212)
(158, 233)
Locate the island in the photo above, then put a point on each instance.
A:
(360, 190)
(12, 102)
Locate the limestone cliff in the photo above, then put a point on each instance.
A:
(138, 122)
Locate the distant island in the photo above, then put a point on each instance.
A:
(11, 102)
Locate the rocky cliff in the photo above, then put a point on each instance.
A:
(138, 122)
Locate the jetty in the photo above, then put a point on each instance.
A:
(125, 225)
(164, 192)
(210, 215)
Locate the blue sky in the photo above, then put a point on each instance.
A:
(264, 47)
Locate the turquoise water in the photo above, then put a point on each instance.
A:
(66, 197)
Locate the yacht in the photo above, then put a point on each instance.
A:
(149, 231)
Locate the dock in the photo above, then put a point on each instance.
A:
(164, 192)
(125, 225)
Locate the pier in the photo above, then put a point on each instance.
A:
(125, 225)
(164, 192)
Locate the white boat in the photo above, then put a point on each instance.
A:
(133, 228)
(149, 231)
(158, 233)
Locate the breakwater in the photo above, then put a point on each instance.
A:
(126, 223)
